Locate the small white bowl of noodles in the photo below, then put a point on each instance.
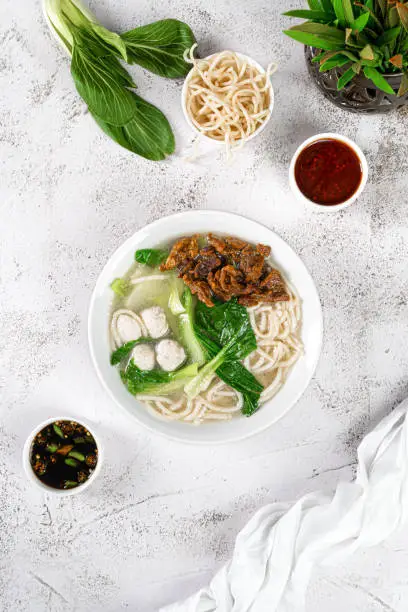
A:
(227, 97)
(301, 315)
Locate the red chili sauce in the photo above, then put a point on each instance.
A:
(328, 172)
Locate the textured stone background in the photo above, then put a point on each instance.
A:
(163, 516)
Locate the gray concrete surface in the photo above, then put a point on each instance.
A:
(163, 516)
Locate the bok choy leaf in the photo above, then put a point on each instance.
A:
(234, 374)
(225, 333)
(105, 85)
(156, 382)
(159, 47)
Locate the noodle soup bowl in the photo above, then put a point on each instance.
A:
(166, 231)
(189, 120)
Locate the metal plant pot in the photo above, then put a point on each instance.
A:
(360, 95)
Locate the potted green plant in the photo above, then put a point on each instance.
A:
(357, 51)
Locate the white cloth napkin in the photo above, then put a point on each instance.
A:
(277, 550)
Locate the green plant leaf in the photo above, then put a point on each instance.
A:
(329, 54)
(318, 35)
(344, 12)
(388, 36)
(393, 17)
(368, 8)
(335, 61)
(160, 46)
(339, 11)
(403, 42)
(311, 15)
(314, 5)
(403, 14)
(327, 5)
(326, 55)
(345, 78)
(404, 85)
(383, 6)
(148, 133)
(320, 56)
(378, 80)
(350, 55)
(360, 23)
(348, 12)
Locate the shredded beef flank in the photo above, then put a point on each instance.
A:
(226, 268)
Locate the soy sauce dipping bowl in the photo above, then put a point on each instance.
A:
(41, 485)
(328, 208)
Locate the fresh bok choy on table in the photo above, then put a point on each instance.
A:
(104, 84)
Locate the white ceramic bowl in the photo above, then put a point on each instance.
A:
(260, 129)
(333, 207)
(168, 230)
(37, 482)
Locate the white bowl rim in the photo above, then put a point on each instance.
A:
(29, 470)
(184, 93)
(128, 246)
(333, 207)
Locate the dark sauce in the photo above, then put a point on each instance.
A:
(63, 455)
(328, 172)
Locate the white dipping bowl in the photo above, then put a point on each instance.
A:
(41, 485)
(167, 230)
(331, 207)
(260, 129)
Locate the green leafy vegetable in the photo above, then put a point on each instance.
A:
(226, 322)
(151, 257)
(121, 287)
(186, 329)
(105, 85)
(226, 326)
(123, 351)
(148, 134)
(155, 382)
(101, 82)
(175, 303)
(159, 47)
(233, 373)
